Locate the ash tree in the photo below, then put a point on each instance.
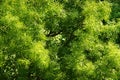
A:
(59, 40)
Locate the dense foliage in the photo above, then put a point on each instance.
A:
(59, 40)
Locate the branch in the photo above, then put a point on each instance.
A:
(52, 34)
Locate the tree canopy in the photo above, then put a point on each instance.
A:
(59, 40)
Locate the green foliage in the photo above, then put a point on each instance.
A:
(59, 40)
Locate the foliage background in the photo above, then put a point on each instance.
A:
(59, 39)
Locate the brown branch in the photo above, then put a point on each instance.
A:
(52, 34)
